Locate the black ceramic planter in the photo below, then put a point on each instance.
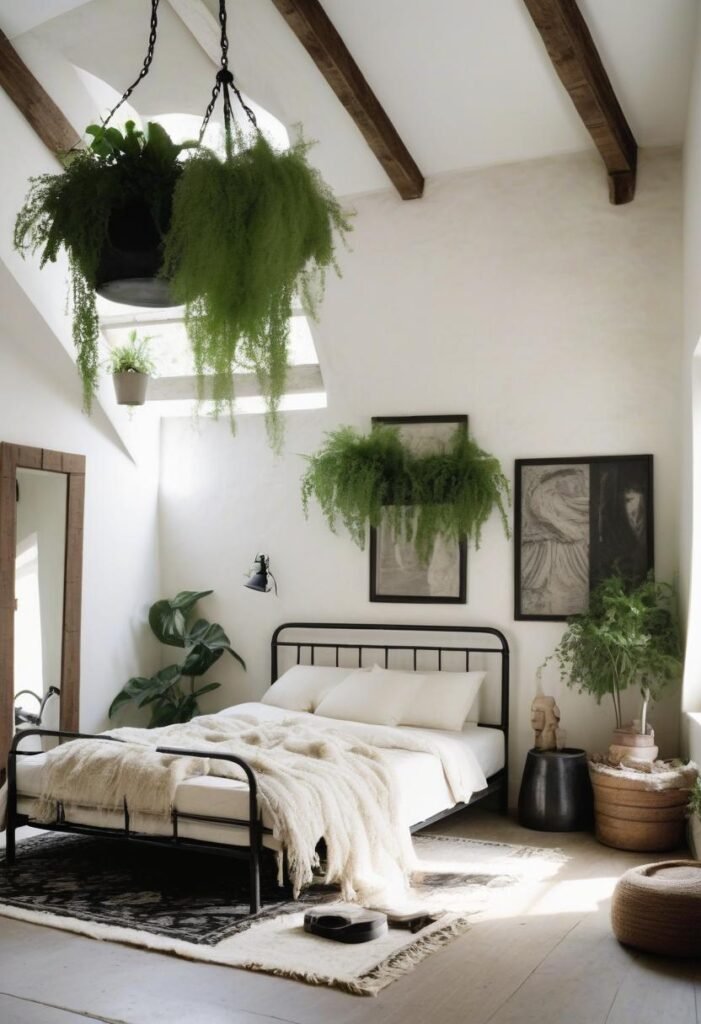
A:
(131, 260)
(556, 794)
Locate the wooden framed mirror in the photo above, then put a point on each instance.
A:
(42, 495)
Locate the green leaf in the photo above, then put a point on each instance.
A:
(168, 618)
(200, 659)
(114, 136)
(187, 599)
(159, 148)
(186, 708)
(163, 714)
(130, 692)
(206, 689)
(167, 623)
(122, 698)
(159, 685)
(209, 643)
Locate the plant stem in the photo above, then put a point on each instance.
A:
(616, 708)
(643, 713)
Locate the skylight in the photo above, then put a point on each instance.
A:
(169, 344)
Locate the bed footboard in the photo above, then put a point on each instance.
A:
(253, 852)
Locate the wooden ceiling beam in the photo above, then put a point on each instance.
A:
(580, 69)
(316, 32)
(33, 102)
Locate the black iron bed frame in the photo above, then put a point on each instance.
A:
(497, 783)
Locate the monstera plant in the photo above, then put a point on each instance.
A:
(170, 693)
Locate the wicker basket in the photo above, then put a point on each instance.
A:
(641, 812)
(657, 908)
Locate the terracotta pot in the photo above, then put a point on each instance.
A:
(627, 743)
(630, 738)
(130, 387)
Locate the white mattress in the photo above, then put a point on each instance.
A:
(423, 789)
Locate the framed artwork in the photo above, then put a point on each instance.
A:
(396, 572)
(577, 521)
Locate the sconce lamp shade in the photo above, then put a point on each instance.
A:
(261, 576)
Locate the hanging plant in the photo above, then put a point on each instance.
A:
(121, 179)
(236, 240)
(364, 480)
(249, 233)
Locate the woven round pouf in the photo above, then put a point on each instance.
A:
(657, 908)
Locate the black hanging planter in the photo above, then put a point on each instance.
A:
(130, 263)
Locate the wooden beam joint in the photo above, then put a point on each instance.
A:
(318, 35)
(577, 62)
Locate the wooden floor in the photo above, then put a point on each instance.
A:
(552, 961)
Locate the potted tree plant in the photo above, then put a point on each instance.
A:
(203, 644)
(131, 367)
(629, 637)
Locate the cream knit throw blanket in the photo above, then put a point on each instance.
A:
(313, 784)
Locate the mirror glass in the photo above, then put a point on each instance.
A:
(39, 578)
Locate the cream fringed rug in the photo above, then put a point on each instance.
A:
(195, 906)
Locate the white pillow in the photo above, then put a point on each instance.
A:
(443, 700)
(379, 697)
(302, 687)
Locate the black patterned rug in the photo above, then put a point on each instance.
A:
(192, 896)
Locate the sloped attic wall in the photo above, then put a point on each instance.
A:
(514, 294)
(40, 401)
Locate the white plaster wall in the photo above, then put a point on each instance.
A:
(690, 550)
(517, 295)
(40, 402)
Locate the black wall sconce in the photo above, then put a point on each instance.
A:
(261, 576)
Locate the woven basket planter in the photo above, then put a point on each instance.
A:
(657, 908)
(638, 811)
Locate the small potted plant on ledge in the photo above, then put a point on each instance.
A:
(131, 367)
(629, 638)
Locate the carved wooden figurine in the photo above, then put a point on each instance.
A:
(545, 719)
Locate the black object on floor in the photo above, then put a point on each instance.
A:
(346, 925)
(556, 794)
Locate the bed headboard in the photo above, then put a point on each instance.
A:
(304, 639)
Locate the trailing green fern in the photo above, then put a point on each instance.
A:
(71, 211)
(362, 480)
(249, 233)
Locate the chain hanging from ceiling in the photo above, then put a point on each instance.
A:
(224, 82)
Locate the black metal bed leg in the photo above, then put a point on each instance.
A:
(11, 825)
(254, 875)
(503, 804)
(10, 845)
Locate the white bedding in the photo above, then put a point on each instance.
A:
(423, 787)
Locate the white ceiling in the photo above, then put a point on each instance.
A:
(466, 82)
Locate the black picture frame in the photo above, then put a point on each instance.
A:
(584, 522)
(381, 593)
